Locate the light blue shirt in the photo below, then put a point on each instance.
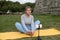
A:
(25, 20)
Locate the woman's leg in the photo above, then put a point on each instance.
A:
(28, 26)
(35, 23)
(19, 27)
(34, 28)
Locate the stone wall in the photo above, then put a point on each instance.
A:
(47, 6)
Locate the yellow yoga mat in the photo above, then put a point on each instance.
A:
(16, 35)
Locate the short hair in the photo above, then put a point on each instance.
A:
(28, 7)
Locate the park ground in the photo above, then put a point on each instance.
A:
(7, 24)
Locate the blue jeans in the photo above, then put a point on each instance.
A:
(20, 27)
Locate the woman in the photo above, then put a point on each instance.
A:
(27, 26)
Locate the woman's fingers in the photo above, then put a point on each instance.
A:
(30, 33)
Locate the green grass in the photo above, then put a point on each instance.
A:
(7, 24)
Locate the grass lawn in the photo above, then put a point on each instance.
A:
(7, 24)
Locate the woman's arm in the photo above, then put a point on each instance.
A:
(32, 24)
(23, 23)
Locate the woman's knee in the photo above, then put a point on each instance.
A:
(19, 27)
(17, 24)
(37, 22)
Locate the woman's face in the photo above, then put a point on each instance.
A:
(28, 11)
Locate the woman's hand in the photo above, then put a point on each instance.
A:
(30, 33)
